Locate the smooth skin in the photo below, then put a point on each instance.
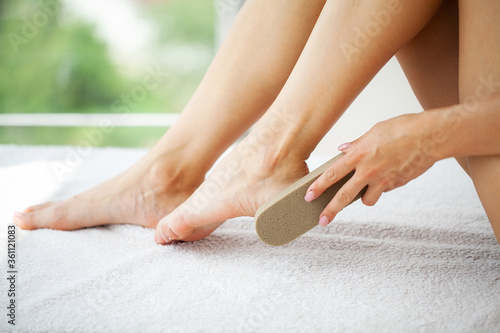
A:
(398, 150)
(243, 80)
(321, 86)
(282, 58)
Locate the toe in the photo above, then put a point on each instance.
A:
(24, 221)
(37, 207)
(52, 217)
(172, 227)
(33, 217)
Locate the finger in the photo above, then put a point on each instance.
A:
(344, 196)
(372, 195)
(343, 147)
(330, 176)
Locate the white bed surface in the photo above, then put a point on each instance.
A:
(424, 259)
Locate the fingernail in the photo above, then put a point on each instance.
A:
(309, 196)
(18, 215)
(323, 221)
(344, 146)
(156, 238)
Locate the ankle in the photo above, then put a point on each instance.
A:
(167, 172)
(269, 159)
(277, 145)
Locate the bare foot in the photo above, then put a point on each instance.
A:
(238, 186)
(141, 195)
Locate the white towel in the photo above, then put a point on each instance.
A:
(424, 259)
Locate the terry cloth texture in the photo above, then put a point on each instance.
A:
(424, 259)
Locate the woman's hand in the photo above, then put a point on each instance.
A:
(388, 156)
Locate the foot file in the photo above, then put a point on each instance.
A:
(287, 215)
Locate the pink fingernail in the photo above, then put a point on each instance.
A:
(309, 196)
(344, 146)
(323, 221)
(18, 215)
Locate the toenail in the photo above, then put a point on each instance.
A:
(173, 235)
(18, 215)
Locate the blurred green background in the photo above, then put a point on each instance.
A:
(54, 59)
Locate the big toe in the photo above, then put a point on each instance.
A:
(174, 226)
(46, 217)
(25, 221)
(38, 207)
(184, 225)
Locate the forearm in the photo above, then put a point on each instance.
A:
(462, 130)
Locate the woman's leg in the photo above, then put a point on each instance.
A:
(479, 76)
(245, 77)
(351, 41)
(430, 61)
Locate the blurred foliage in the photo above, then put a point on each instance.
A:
(64, 67)
(119, 137)
(53, 68)
(186, 21)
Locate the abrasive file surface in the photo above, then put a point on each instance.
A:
(287, 215)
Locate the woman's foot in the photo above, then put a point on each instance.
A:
(141, 195)
(238, 186)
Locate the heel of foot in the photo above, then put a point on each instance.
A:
(287, 215)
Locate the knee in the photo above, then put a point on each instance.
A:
(472, 162)
(478, 165)
(478, 160)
